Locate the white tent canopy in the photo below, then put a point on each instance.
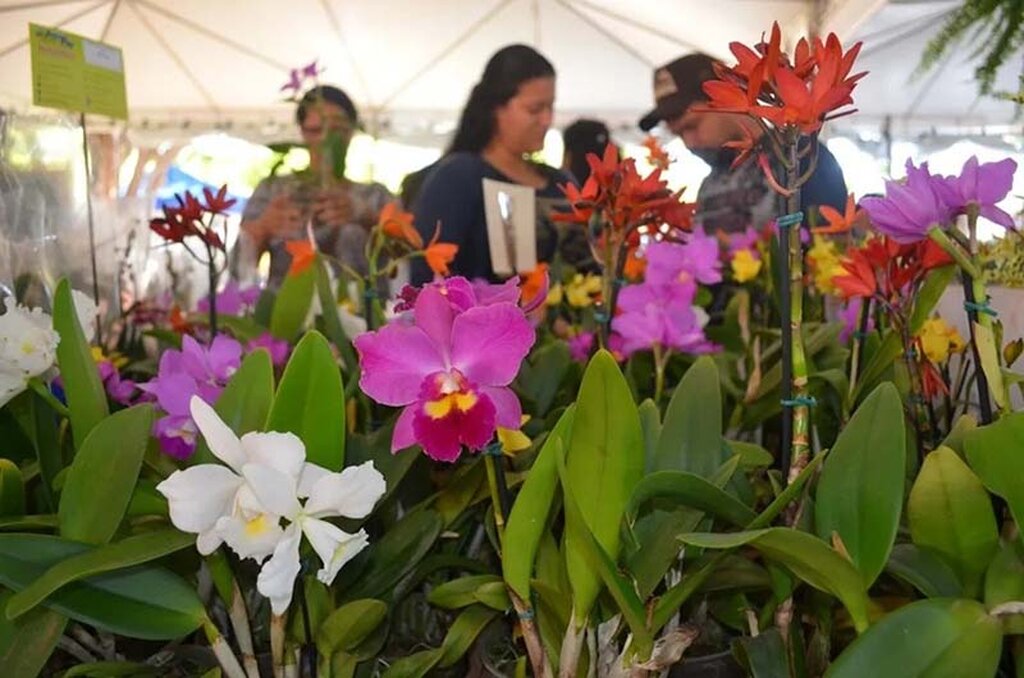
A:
(409, 64)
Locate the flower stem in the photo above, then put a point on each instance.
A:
(43, 392)
(500, 497)
(857, 355)
(211, 269)
(974, 293)
(660, 361)
(307, 656)
(225, 657)
(277, 627)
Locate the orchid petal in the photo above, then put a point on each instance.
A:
(277, 576)
(508, 412)
(253, 537)
(490, 342)
(434, 316)
(198, 496)
(281, 451)
(995, 181)
(334, 546)
(311, 473)
(395, 360)
(352, 493)
(221, 440)
(993, 213)
(404, 436)
(275, 490)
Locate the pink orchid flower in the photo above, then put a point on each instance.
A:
(450, 369)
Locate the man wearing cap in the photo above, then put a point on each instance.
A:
(729, 200)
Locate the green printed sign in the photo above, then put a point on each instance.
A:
(74, 73)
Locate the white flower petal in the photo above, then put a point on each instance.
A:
(28, 344)
(253, 537)
(11, 384)
(351, 493)
(208, 542)
(334, 546)
(85, 309)
(277, 577)
(311, 473)
(198, 496)
(282, 451)
(222, 440)
(274, 489)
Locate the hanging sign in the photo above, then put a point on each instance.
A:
(74, 73)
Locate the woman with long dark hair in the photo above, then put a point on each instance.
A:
(505, 119)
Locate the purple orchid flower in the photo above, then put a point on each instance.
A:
(850, 316)
(744, 240)
(232, 300)
(450, 370)
(463, 294)
(698, 260)
(663, 315)
(980, 186)
(277, 348)
(911, 208)
(580, 346)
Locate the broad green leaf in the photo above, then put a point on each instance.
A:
(542, 374)
(605, 461)
(765, 655)
(294, 299)
(528, 517)
(12, 489)
(925, 571)
(460, 592)
(988, 352)
(349, 625)
(860, 493)
(936, 638)
(691, 434)
(131, 551)
(806, 556)
(244, 403)
(395, 554)
(994, 452)
(1004, 583)
(310, 402)
(26, 644)
(376, 447)
(958, 434)
(140, 602)
(950, 513)
(331, 322)
(415, 665)
(751, 454)
(678, 488)
(83, 388)
(46, 441)
(927, 297)
(465, 485)
(650, 421)
(243, 329)
(495, 596)
(464, 630)
(102, 476)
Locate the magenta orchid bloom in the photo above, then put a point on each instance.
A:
(194, 370)
(450, 370)
(463, 294)
(279, 349)
(910, 208)
(232, 300)
(850, 316)
(981, 187)
(580, 346)
(698, 260)
(662, 315)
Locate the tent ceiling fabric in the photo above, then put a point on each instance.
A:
(211, 61)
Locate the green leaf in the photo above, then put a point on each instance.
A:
(26, 644)
(376, 447)
(605, 461)
(958, 434)
(244, 403)
(542, 374)
(925, 571)
(926, 639)
(650, 422)
(765, 655)
(12, 489)
(691, 434)
(294, 299)
(310, 402)
(349, 625)
(464, 630)
(751, 455)
(985, 343)
(415, 665)
(135, 550)
(529, 514)
(331, 322)
(243, 329)
(495, 596)
(950, 513)
(395, 554)
(140, 602)
(46, 440)
(689, 490)
(1004, 583)
(860, 493)
(994, 452)
(102, 476)
(460, 592)
(806, 556)
(83, 388)
(927, 297)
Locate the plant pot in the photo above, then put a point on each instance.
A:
(719, 665)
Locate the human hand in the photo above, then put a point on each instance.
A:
(281, 218)
(333, 206)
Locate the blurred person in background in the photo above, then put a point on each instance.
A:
(581, 137)
(339, 211)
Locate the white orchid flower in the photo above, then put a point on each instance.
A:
(243, 503)
(28, 348)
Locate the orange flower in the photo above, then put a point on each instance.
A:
(860, 280)
(303, 254)
(179, 322)
(439, 254)
(533, 283)
(838, 223)
(397, 224)
(656, 155)
(635, 266)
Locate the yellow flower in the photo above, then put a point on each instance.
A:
(580, 290)
(744, 266)
(826, 263)
(513, 439)
(115, 358)
(939, 340)
(555, 295)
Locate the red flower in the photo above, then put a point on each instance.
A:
(218, 203)
(860, 280)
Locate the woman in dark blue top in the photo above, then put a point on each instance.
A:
(506, 118)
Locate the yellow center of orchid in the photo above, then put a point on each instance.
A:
(256, 526)
(442, 407)
(27, 347)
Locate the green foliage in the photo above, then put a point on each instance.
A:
(87, 401)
